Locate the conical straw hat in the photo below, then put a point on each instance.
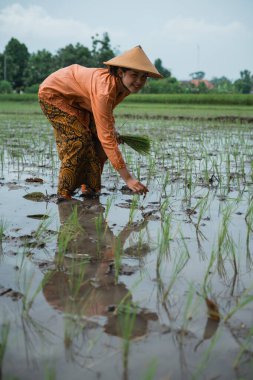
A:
(135, 59)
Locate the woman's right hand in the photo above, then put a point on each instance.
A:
(136, 186)
(132, 183)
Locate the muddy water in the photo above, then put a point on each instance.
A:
(98, 288)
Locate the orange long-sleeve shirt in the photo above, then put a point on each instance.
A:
(80, 91)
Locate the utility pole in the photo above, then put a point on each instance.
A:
(198, 57)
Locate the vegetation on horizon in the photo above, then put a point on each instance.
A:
(166, 99)
(23, 71)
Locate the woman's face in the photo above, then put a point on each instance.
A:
(133, 80)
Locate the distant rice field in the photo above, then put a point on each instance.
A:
(229, 107)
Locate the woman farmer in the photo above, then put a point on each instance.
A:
(79, 103)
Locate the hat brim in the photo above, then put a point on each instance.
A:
(135, 59)
(150, 74)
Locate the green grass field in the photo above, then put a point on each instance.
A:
(185, 110)
(169, 106)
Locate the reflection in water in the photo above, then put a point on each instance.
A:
(84, 282)
(210, 330)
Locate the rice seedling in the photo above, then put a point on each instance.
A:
(206, 287)
(151, 169)
(118, 250)
(40, 235)
(190, 310)
(4, 333)
(248, 248)
(108, 205)
(137, 170)
(249, 215)
(100, 231)
(151, 370)
(28, 285)
(224, 239)
(188, 174)
(3, 228)
(202, 206)
(165, 236)
(67, 233)
(178, 266)
(165, 183)
(235, 262)
(246, 348)
(127, 315)
(249, 224)
(76, 277)
(72, 329)
(32, 331)
(203, 361)
(164, 239)
(245, 299)
(2, 161)
(133, 208)
(164, 208)
(217, 171)
(140, 243)
(228, 165)
(50, 374)
(140, 144)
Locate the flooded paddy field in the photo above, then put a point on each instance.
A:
(125, 286)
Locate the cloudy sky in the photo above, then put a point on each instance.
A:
(214, 36)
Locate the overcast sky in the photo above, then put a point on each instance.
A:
(214, 36)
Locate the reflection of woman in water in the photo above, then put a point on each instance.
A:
(88, 287)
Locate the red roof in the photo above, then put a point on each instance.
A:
(197, 82)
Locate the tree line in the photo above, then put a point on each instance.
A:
(21, 71)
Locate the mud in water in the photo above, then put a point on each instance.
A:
(124, 286)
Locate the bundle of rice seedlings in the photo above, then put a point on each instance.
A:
(140, 144)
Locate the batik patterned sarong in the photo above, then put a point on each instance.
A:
(81, 154)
